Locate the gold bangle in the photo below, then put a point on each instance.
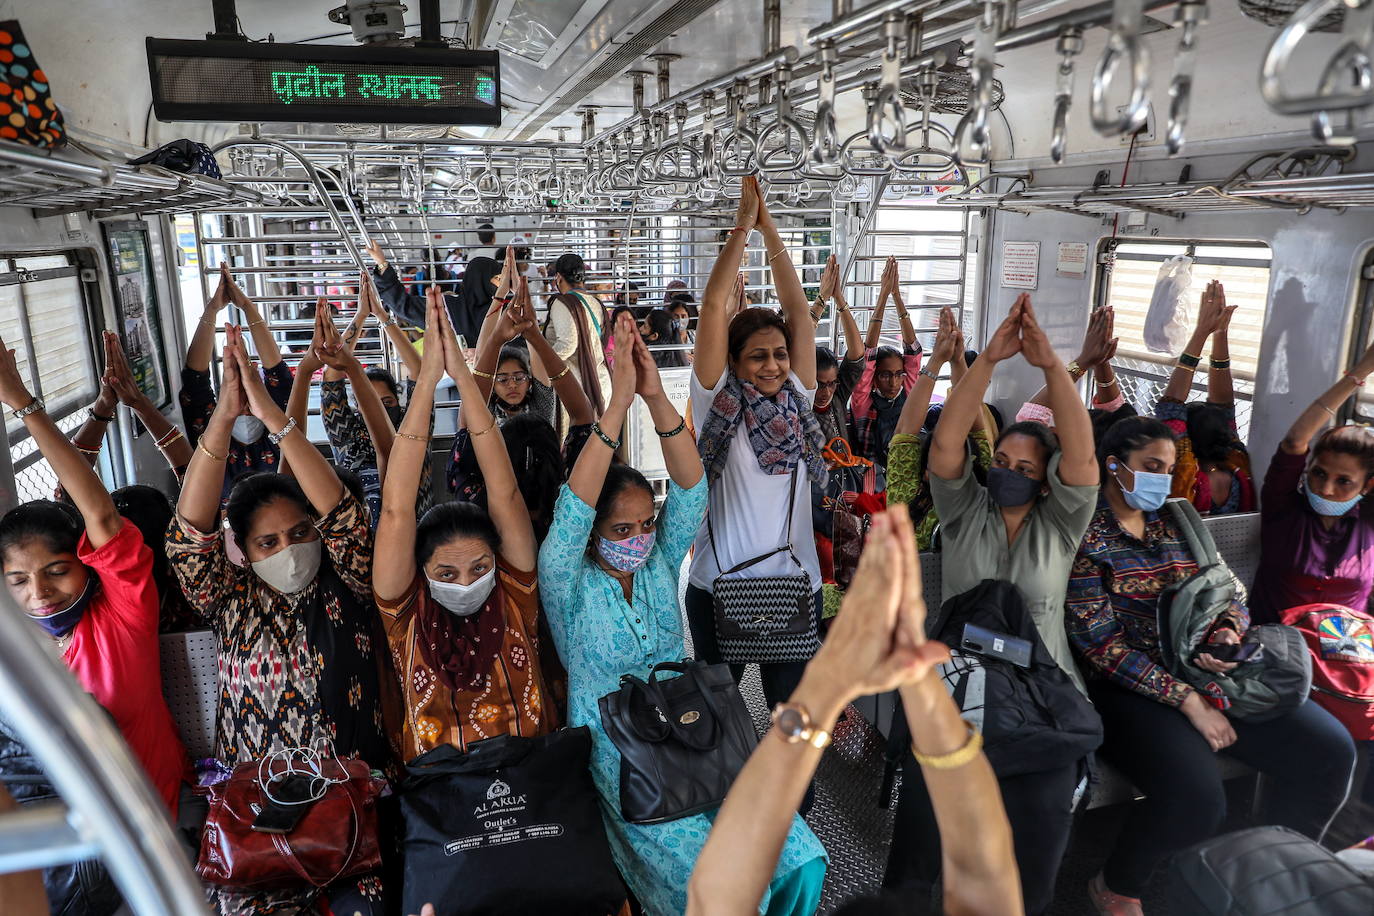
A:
(554, 378)
(954, 759)
(200, 444)
(168, 439)
(480, 374)
(89, 452)
(414, 437)
(485, 431)
(1328, 410)
(780, 251)
(254, 324)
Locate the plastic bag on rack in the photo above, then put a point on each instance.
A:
(28, 113)
(185, 156)
(1166, 322)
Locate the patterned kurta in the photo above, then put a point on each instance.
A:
(353, 449)
(511, 701)
(269, 696)
(601, 636)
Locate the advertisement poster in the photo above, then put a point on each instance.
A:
(140, 329)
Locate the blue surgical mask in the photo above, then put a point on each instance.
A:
(1151, 490)
(1329, 507)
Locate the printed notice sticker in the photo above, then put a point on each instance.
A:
(1020, 265)
(1072, 260)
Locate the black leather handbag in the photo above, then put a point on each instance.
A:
(682, 740)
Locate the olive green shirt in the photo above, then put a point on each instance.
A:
(1037, 563)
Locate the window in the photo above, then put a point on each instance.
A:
(43, 319)
(1361, 338)
(1128, 271)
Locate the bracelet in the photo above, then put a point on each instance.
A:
(742, 229)
(412, 436)
(1187, 360)
(611, 444)
(212, 322)
(98, 417)
(1219, 364)
(682, 424)
(954, 759)
(485, 431)
(1109, 383)
(1328, 410)
(486, 375)
(88, 452)
(390, 323)
(200, 444)
(925, 370)
(34, 406)
(275, 438)
(254, 324)
(172, 435)
(780, 251)
(1358, 380)
(554, 378)
(1075, 371)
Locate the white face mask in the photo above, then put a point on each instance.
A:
(463, 600)
(292, 568)
(247, 430)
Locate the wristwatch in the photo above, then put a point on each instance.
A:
(793, 725)
(1076, 371)
(33, 407)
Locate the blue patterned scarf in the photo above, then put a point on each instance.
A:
(783, 431)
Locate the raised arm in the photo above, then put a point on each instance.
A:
(337, 355)
(1208, 316)
(202, 347)
(1078, 461)
(1099, 346)
(1220, 385)
(875, 322)
(91, 436)
(269, 353)
(903, 316)
(405, 349)
(866, 652)
(504, 502)
(947, 447)
(119, 378)
(709, 355)
(589, 474)
(832, 291)
(298, 407)
(1323, 409)
(392, 291)
(569, 390)
(796, 310)
(393, 555)
(73, 472)
(913, 413)
(198, 504)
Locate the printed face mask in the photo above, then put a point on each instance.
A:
(463, 600)
(1008, 488)
(1151, 490)
(247, 430)
(629, 554)
(292, 568)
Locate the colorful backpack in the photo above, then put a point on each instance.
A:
(28, 113)
(1341, 640)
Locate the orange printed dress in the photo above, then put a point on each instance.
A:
(466, 679)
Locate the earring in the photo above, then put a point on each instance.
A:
(1111, 467)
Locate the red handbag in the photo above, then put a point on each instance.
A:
(336, 837)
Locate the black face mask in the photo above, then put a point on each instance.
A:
(1008, 488)
(396, 413)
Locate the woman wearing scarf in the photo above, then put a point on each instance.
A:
(575, 326)
(457, 590)
(887, 377)
(297, 654)
(752, 387)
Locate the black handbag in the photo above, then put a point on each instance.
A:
(682, 741)
(482, 828)
(769, 619)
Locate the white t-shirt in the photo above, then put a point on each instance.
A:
(748, 508)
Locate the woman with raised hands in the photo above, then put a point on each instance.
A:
(457, 589)
(888, 375)
(85, 578)
(1023, 527)
(836, 376)
(752, 386)
(1095, 356)
(298, 659)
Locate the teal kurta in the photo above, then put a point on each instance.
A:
(600, 636)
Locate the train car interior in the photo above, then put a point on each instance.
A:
(263, 263)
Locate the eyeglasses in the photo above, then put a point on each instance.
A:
(506, 378)
(888, 376)
(833, 383)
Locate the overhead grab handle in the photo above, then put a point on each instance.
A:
(1189, 16)
(1070, 45)
(781, 158)
(887, 107)
(1355, 52)
(740, 146)
(825, 142)
(972, 139)
(1124, 46)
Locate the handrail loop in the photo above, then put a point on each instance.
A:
(888, 104)
(1124, 43)
(740, 136)
(972, 137)
(781, 159)
(1353, 60)
(708, 141)
(1358, 33)
(915, 160)
(1190, 16)
(825, 141)
(1070, 45)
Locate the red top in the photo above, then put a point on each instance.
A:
(115, 653)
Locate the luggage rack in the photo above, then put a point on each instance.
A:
(52, 185)
(1299, 179)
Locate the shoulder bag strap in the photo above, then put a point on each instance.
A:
(787, 536)
(1199, 538)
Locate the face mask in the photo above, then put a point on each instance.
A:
(64, 621)
(292, 568)
(676, 325)
(1008, 488)
(395, 413)
(629, 554)
(463, 600)
(1329, 507)
(1151, 490)
(247, 430)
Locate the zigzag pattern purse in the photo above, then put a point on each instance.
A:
(770, 619)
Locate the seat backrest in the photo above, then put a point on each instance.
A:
(930, 580)
(1238, 541)
(190, 682)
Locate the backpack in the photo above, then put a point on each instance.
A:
(1265, 871)
(1341, 641)
(1272, 684)
(1032, 719)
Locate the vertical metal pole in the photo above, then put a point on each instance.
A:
(429, 23)
(226, 22)
(772, 26)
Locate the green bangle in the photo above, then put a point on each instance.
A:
(611, 444)
(1189, 361)
(1219, 363)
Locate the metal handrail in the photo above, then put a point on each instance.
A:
(1124, 43)
(1359, 34)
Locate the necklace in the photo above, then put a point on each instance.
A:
(63, 643)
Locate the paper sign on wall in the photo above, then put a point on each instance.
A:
(1020, 264)
(1073, 259)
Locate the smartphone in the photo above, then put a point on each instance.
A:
(1232, 652)
(992, 644)
(293, 798)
